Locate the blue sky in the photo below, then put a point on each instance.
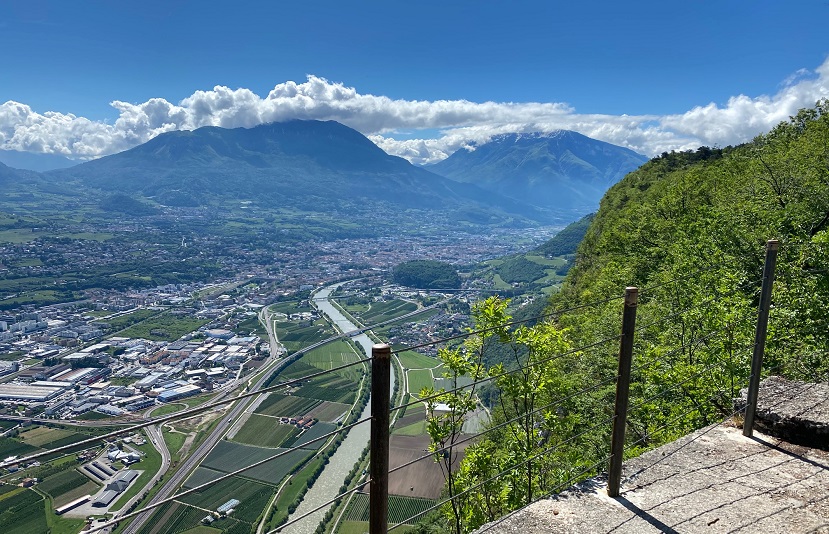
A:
(587, 62)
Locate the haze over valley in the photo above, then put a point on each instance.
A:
(214, 219)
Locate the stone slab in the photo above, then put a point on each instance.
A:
(714, 480)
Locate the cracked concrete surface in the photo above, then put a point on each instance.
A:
(714, 480)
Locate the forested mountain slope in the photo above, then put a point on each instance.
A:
(689, 230)
(713, 210)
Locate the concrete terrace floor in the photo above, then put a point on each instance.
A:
(714, 480)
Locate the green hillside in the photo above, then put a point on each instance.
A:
(689, 229)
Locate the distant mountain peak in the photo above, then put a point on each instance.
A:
(311, 165)
(556, 170)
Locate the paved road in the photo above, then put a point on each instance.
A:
(198, 455)
(157, 441)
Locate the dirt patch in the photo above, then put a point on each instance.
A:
(421, 479)
(409, 420)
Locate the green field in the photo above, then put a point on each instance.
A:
(228, 457)
(22, 511)
(41, 435)
(328, 411)
(335, 354)
(57, 485)
(414, 360)
(13, 447)
(401, 509)
(418, 380)
(172, 518)
(385, 311)
(329, 392)
(295, 335)
(264, 431)
(123, 321)
(286, 405)
(414, 429)
(253, 497)
(164, 327)
(319, 429)
(11, 356)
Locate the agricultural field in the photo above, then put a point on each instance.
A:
(13, 447)
(164, 327)
(295, 335)
(335, 354)
(67, 486)
(423, 478)
(419, 379)
(201, 475)
(228, 457)
(319, 429)
(380, 312)
(173, 518)
(22, 511)
(414, 360)
(328, 411)
(51, 438)
(253, 497)
(329, 391)
(264, 431)
(129, 319)
(401, 509)
(41, 435)
(286, 405)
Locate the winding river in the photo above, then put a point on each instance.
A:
(327, 486)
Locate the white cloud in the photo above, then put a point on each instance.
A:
(460, 122)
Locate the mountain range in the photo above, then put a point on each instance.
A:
(326, 167)
(562, 170)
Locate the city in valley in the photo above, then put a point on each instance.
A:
(107, 358)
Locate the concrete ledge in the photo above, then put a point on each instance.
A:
(714, 480)
(797, 412)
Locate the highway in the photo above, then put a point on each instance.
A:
(204, 448)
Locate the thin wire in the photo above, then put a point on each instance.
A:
(673, 386)
(317, 509)
(705, 302)
(681, 277)
(565, 484)
(183, 414)
(649, 434)
(694, 342)
(510, 323)
(226, 476)
(433, 453)
(476, 486)
(709, 429)
(505, 373)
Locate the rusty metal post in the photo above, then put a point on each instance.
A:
(379, 453)
(760, 336)
(620, 411)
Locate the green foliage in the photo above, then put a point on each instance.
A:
(690, 229)
(566, 241)
(426, 274)
(520, 270)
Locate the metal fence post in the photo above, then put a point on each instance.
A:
(760, 336)
(617, 443)
(379, 453)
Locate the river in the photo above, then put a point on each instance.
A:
(327, 486)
